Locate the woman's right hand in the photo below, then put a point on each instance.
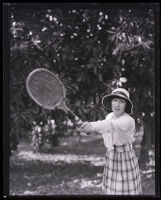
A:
(85, 128)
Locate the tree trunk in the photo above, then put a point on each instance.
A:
(146, 142)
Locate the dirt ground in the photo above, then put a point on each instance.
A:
(73, 168)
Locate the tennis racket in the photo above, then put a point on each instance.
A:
(47, 90)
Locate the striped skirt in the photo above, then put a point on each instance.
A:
(121, 174)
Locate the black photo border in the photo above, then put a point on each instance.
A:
(6, 95)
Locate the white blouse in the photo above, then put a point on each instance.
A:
(115, 131)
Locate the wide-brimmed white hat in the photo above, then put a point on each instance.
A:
(121, 93)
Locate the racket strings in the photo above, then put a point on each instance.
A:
(45, 88)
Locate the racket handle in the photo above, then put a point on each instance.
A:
(77, 120)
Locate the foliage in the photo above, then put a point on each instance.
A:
(49, 133)
(91, 50)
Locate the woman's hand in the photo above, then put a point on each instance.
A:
(85, 128)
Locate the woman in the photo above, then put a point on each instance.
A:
(121, 174)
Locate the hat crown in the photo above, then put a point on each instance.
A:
(121, 91)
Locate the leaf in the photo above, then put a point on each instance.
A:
(95, 70)
(115, 51)
(111, 32)
(100, 77)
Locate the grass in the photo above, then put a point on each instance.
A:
(73, 168)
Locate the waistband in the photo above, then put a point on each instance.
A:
(122, 148)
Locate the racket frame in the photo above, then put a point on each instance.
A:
(61, 104)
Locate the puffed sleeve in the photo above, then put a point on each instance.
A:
(102, 126)
(127, 124)
(126, 130)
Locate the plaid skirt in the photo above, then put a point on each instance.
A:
(121, 174)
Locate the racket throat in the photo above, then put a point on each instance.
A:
(64, 107)
(70, 114)
(67, 110)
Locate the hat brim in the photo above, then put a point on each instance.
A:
(106, 102)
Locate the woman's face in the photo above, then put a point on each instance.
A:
(118, 106)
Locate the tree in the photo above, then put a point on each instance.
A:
(91, 50)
